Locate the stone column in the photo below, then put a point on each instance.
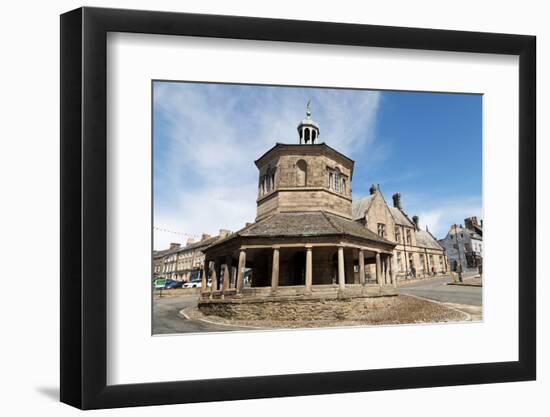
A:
(341, 275)
(240, 270)
(362, 267)
(387, 270)
(275, 271)
(392, 271)
(378, 269)
(309, 268)
(204, 282)
(214, 286)
(227, 273)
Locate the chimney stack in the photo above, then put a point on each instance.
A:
(190, 240)
(470, 222)
(224, 233)
(205, 236)
(415, 220)
(373, 188)
(397, 200)
(174, 246)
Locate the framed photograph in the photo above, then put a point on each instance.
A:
(257, 208)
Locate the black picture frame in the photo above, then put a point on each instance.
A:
(84, 207)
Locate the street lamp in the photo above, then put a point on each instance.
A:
(459, 257)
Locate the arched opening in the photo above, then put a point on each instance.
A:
(301, 174)
(313, 136)
(307, 135)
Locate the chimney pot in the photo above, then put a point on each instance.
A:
(397, 200)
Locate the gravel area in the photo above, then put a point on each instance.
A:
(403, 309)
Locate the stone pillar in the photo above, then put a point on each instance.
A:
(387, 270)
(362, 267)
(275, 271)
(378, 269)
(309, 268)
(341, 275)
(214, 286)
(204, 282)
(240, 270)
(392, 271)
(227, 273)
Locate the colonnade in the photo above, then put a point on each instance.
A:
(385, 270)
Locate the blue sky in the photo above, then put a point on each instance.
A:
(427, 146)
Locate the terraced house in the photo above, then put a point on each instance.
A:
(417, 252)
(183, 263)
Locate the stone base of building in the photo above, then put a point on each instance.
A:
(318, 305)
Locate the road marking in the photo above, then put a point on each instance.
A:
(467, 315)
(185, 315)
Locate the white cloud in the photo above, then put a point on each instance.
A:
(445, 213)
(205, 178)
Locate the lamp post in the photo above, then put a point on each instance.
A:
(459, 257)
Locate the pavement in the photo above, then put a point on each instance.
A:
(438, 290)
(166, 318)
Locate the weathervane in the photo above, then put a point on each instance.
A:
(308, 109)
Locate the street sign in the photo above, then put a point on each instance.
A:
(159, 283)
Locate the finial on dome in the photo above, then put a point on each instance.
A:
(308, 130)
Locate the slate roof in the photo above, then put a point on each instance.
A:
(200, 244)
(464, 230)
(359, 207)
(425, 239)
(400, 217)
(306, 224)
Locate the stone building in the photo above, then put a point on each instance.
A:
(417, 252)
(464, 245)
(183, 263)
(304, 241)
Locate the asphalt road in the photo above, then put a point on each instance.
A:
(436, 289)
(166, 319)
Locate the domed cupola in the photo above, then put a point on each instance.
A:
(308, 130)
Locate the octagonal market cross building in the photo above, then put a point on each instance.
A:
(304, 243)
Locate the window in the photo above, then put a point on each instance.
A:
(408, 236)
(381, 229)
(337, 181)
(301, 173)
(397, 234)
(422, 262)
(399, 263)
(441, 265)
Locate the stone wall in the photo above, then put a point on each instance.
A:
(297, 310)
(295, 190)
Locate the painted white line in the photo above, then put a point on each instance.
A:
(468, 316)
(185, 315)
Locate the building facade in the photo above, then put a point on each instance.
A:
(183, 263)
(464, 246)
(304, 241)
(417, 252)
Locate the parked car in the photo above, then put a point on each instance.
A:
(170, 283)
(194, 283)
